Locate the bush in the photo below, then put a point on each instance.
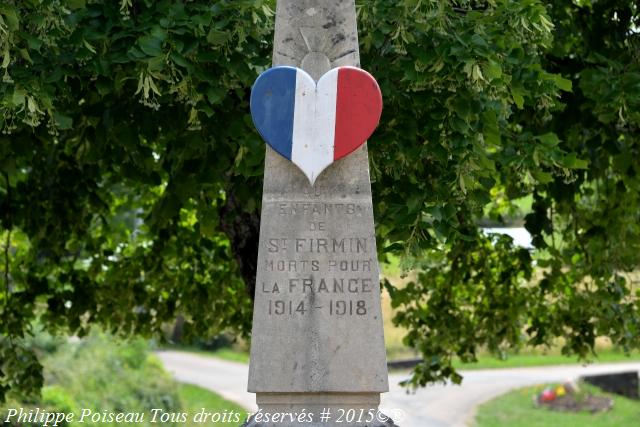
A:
(101, 374)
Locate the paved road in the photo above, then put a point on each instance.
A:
(435, 406)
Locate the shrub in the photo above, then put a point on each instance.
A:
(101, 373)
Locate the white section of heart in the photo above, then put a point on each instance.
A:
(314, 123)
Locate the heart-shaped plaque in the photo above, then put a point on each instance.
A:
(312, 124)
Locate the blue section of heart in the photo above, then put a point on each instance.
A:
(273, 100)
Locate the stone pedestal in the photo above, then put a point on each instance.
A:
(308, 409)
(317, 328)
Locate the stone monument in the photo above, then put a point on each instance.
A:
(318, 342)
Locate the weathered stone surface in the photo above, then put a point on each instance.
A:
(316, 35)
(317, 324)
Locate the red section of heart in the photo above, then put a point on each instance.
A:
(358, 110)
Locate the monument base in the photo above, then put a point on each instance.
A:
(318, 410)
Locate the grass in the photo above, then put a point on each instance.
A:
(517, 409)
(226, 353)
(539, 359)
(231, 355)
(196, 399)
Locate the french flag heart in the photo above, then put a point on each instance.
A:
(312, 124)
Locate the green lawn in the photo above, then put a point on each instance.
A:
(231, 355)
(533, 359)
(194, 399)
(517, 409)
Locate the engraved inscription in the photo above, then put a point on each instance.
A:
(303, 266)
(349, 245)
(316, 272)
(319, 209)
(317, 342)
(335, 307)
(313, 286)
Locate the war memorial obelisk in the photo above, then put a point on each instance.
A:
(317, 339)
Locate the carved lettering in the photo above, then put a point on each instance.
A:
(349, 265)
(319, 209)
(318, 226)
(291, 266)
(267, 289)
(312, 285)
(301, 307)
(349, 245)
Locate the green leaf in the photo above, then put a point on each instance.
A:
(11, 16)
(415, 203)
(518, 98)
(34, 43)
(461, 181)
(179, 60)
(394, 247)
(217, 37)
(571, 161)
(18, 97)
(63, 122)
(150, 45)
(493, 70)
(6, 59)
(491, 131)
(542, 177)
(549, 139)
(76, 4)
(562, 83)
(24, 53)
(159, 33)
(215, 94)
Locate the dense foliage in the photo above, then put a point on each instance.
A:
(96, 375)
(131, 172)
(557, 120)
(123, 140)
